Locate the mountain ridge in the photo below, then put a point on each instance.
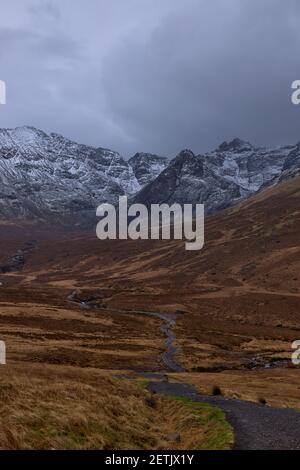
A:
(44, 175)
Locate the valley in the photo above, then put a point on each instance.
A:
(221, 320)
(146, 313)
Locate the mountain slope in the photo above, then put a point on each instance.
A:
(218, 179)
(248, 166)
(247, 246)
(147, 166)
(188, 179)
(44, 174)
(48, 176)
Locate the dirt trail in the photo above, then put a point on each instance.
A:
(255, 426)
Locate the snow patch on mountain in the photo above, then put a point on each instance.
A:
(147, 166)
(43, 175)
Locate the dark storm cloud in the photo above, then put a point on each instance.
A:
(152, 75)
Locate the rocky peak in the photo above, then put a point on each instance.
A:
(185, 158)
(291, 167)
(235, 145)
(186, 154)
(43, 175)
(147, 166)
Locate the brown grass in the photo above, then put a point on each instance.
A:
(278, 387)
(50, 408)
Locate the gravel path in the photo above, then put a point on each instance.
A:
(255, 426)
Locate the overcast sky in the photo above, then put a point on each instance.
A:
(152, 75)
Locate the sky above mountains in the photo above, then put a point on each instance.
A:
(152, 75)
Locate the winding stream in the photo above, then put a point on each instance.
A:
(169, 356)
(256, 426)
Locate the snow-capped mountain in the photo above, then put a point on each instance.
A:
(291, 167)
(45, 175)
(234, 171)
(189, 179)
(248, 166)
(147, 166)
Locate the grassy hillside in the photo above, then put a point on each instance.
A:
(48, 407)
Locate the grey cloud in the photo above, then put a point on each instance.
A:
(154, 75)
(48, 9)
